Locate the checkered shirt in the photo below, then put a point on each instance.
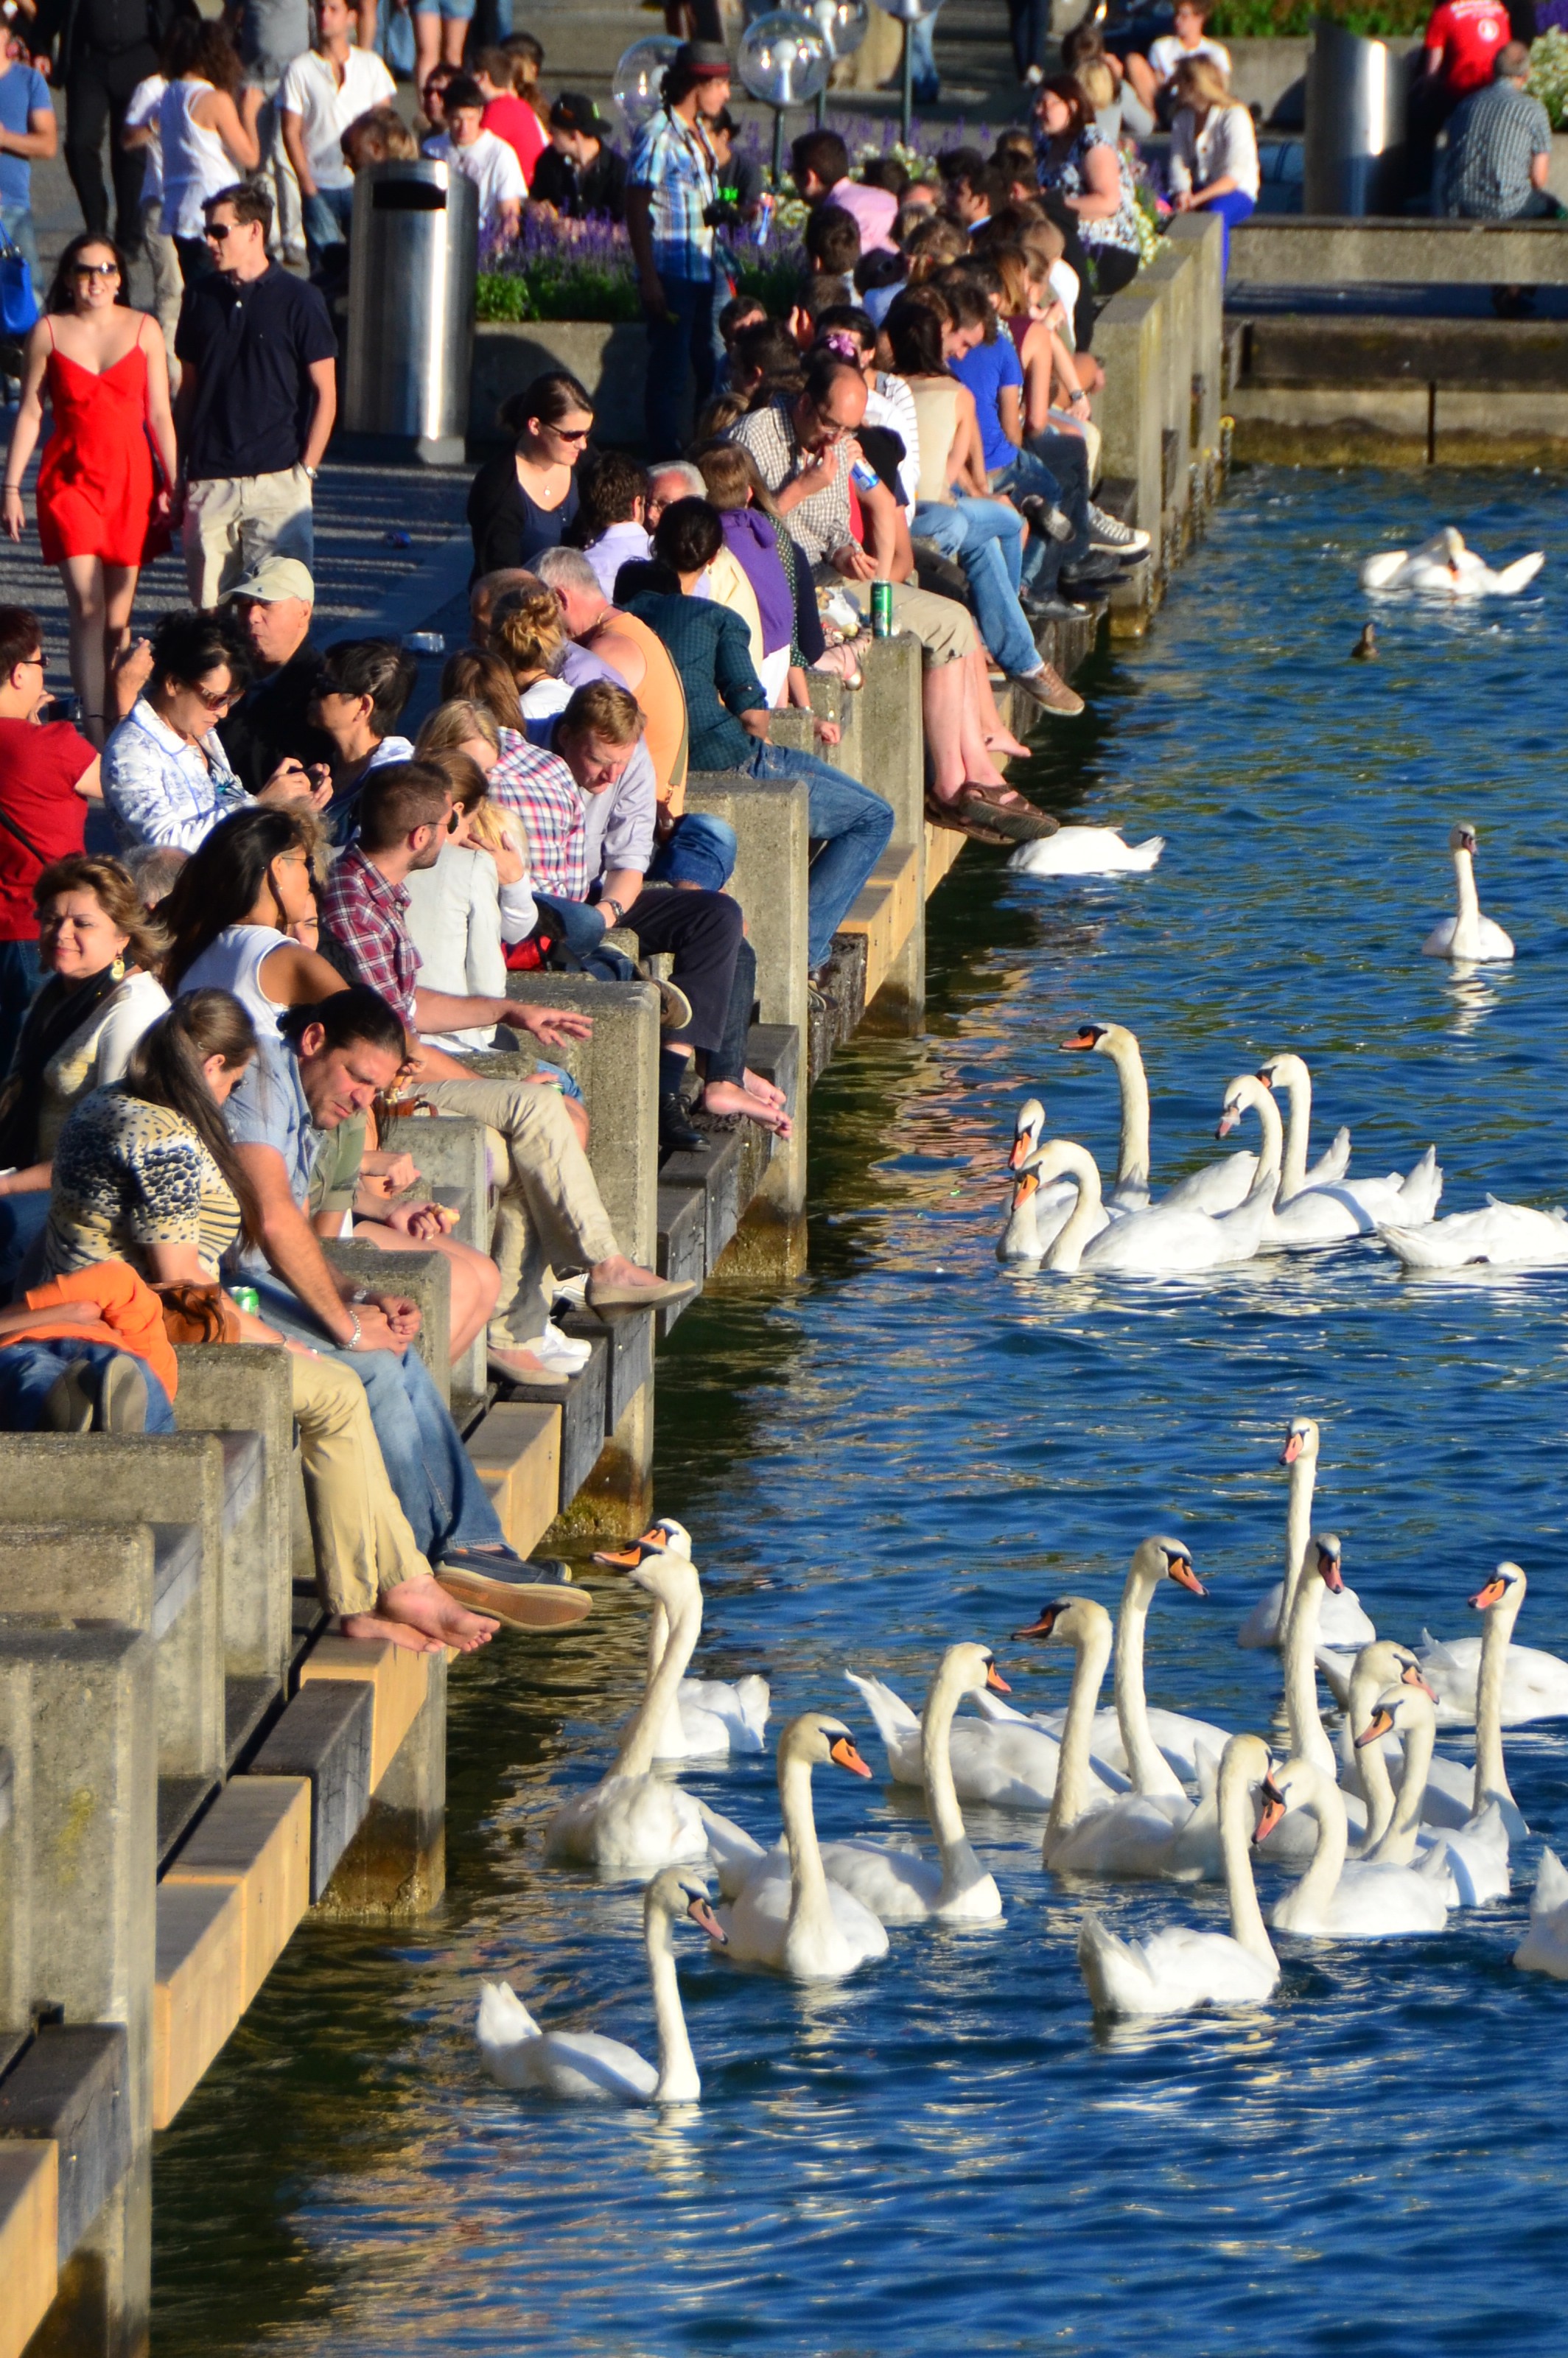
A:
(675, 163)
(1491, 138)
(365, 916)
(819, 524)
(540, 788)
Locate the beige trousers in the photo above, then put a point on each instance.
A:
(231, 522)
(364, 1543)
(550, 1213)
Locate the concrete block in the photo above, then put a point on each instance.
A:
(628, 1357)
(199, 1992)
(1172, 270)
(894, 759)
(943, 845)
(715, 1167)
(425, 1278)
(1129, 412)
(582, 1421)
(1200, 236)
(92, 1830)
(256, 1838)
(72, 2089)
(517, 1450)
(16, 1846)
(325, 1735)
(1306, 250)
(454, 1163)
(397, 1679)
(617, 1072)
(615, 1499)
(395, 1869)
(888, 908)
(683, 1241)
(248, 1389)
(29, 2234)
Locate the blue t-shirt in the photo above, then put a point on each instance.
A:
(23, 92)
(984, 370)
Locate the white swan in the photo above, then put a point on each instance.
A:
(1288, 1072)
(1173, 1971)
(1467, 933)
(585, 2065)
(1544, 1948)
(1476, 1854)
(710, 1717)
(1531, 1684)
(633, 1821)
(1163, 1241)
(899, 1887)
(1358, 1683)
(787, 1915)
(1347, 1208)
(1503, 1236)
(1334, 1901)
(1342, 1620)
(1009, 1764)
(1217, 1187)
(1088, 851)
(1443, 568)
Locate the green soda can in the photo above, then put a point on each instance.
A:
(245, 1298)
(881, 610)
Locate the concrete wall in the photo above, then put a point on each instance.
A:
(1306, 252)
(611, 361)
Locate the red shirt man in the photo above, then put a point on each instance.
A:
(47, 771)
(1463, 39)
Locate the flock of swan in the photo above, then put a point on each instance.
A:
(1382, 1835)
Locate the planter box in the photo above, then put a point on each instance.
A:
(609, 358)
(1271, 75)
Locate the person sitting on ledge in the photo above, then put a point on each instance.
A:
(1499, 149)
(361, 689)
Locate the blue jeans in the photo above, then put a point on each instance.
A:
(983, 534)
(851, 824)
(926, 79)
(430, 1471)
(700, 850)
(18, 225)
(1028, 474)
(1029, 22)
(683, 353)
(20, 974)
(328, 215)
(1233, 208)
(28, 1369)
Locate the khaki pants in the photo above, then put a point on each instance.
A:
(550, 1211)
(169, 282)
(231, 522)
(364, 1543)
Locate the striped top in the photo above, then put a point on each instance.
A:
(1492, 137)
(128, 1176)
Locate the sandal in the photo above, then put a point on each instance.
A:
(1004, 808)
(958, 822)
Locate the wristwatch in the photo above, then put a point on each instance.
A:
(311, 473)
(608, 900)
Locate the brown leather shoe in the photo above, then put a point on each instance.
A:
(1049, 690)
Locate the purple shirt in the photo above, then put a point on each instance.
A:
(875, 211)
(581, 667)
(750, 540)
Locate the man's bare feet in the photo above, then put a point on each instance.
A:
(730, 1097)
(381, 1626)
(1002, 741)
(759, 1088)
(422, 1605)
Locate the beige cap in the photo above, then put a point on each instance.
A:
(275, 579)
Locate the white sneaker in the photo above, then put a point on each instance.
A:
(1109, 532)
(554, 1349)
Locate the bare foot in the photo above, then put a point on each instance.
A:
(422, 1604)
(618, 1270)
(525, 1366)
(728, 1096)
(1002, 741)
(394, 1633)
(759, 1088)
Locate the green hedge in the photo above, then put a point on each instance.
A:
(1256, 20)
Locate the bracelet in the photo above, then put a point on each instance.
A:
(15, 487)
(356, 1339)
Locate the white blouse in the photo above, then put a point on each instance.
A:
(454, 918)
(1226, 148)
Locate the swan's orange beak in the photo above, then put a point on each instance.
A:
(1022, 1146)
(1291, 1450)
(1491, 1595)
(1046, 1625)
(995, 1681)
(1410, 1677)
(1380, 1724)
(701, 1913)
(623, 1558)
(656, 1536)
(1332, 1579)
(843, 1751)
(1183, 1575)
(1084, 1037)
(1273, 1811)
(1023, 1188)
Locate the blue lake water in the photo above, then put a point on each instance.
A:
(946, 2154)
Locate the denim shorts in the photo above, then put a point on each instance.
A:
(456, 12)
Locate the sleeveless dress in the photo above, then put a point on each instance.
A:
(97, 479)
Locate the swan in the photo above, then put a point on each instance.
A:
(1476, 1854)
(633, 1821)
(1334, 1901)
(583, 2064)
(1179, 1968)
(1088, 851)
(1009, 1764)
(1544, 1948)
(1467, 933)
(1340, 1613)
(1219, 1187)
(1503, 1236)
(1160, 1242)
(1288, 1072)
(1531, 1684)
(1442, 567)
(710, 1716)
(899, 1887)
(1330, 1214)
(1449, 1784)
(787, 1915)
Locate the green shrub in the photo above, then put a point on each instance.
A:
(1254, 20)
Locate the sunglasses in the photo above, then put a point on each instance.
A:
(569, 433)
(96, 270)
(213, 703)
(219, 231)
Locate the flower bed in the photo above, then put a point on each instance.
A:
(1549, 72)
(1262, 20)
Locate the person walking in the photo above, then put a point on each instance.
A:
(29, 135)
(321, 93)
(101, 50)
(258, 395)
(143, 135)
(670, 197)
(206, 134)
(103, 504)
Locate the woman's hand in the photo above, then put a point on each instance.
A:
(423, 1222)
(827, 732)
(1182, 203)
(511, 868)
(14, 515)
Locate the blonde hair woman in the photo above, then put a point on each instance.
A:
(1214, 149)
(528, 633)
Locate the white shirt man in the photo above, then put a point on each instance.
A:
(490, 163)
(320, 94)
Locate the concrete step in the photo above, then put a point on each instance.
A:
(325, 1735)
(29, 2237)
(71, 2089)
(581, 1411)
(398, 1680)
(197, 2000)
(255, 1839)
(517, 1449)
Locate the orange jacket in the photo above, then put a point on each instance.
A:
(125, 1304)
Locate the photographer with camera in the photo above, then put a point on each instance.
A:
(670, 203)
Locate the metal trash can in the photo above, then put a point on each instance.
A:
(1358, 91)
(413, 260)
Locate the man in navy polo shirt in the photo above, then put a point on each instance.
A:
(258, 395)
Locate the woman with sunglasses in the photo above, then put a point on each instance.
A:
(524, 501)
(102, 501)
(167, 778)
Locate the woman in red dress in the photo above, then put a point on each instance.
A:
(102, 501)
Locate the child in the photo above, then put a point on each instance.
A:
(489, 162)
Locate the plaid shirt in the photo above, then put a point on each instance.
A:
(1492, 138)
(675, 163)
(540, 788)
(819, 524)
(365, 917)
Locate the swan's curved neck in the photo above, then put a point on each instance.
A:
(1309, 1738)
(808, 1901)
(640, 1743)
(1266, 1180)
(1133, 1161)
(1298, 1530)
(1397, 1845)
(1317, 1885)
(1372, 1767)
(1146, 1765)
(937, 1763)
(1071, 1798)
(1247, 1925)
(1467, 924)
(679, 2080)
(1292, 1166)
(1491, 1776)
(669, 1741)
(1068, 1249)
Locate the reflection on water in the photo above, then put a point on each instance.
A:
(947, 2154)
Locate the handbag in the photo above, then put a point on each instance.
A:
(197, 1314)
(18, 302)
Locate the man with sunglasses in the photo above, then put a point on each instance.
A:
(258, 395)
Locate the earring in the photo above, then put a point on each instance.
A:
(118, 970)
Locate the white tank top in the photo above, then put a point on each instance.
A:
(196, 164)
(234, 962)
